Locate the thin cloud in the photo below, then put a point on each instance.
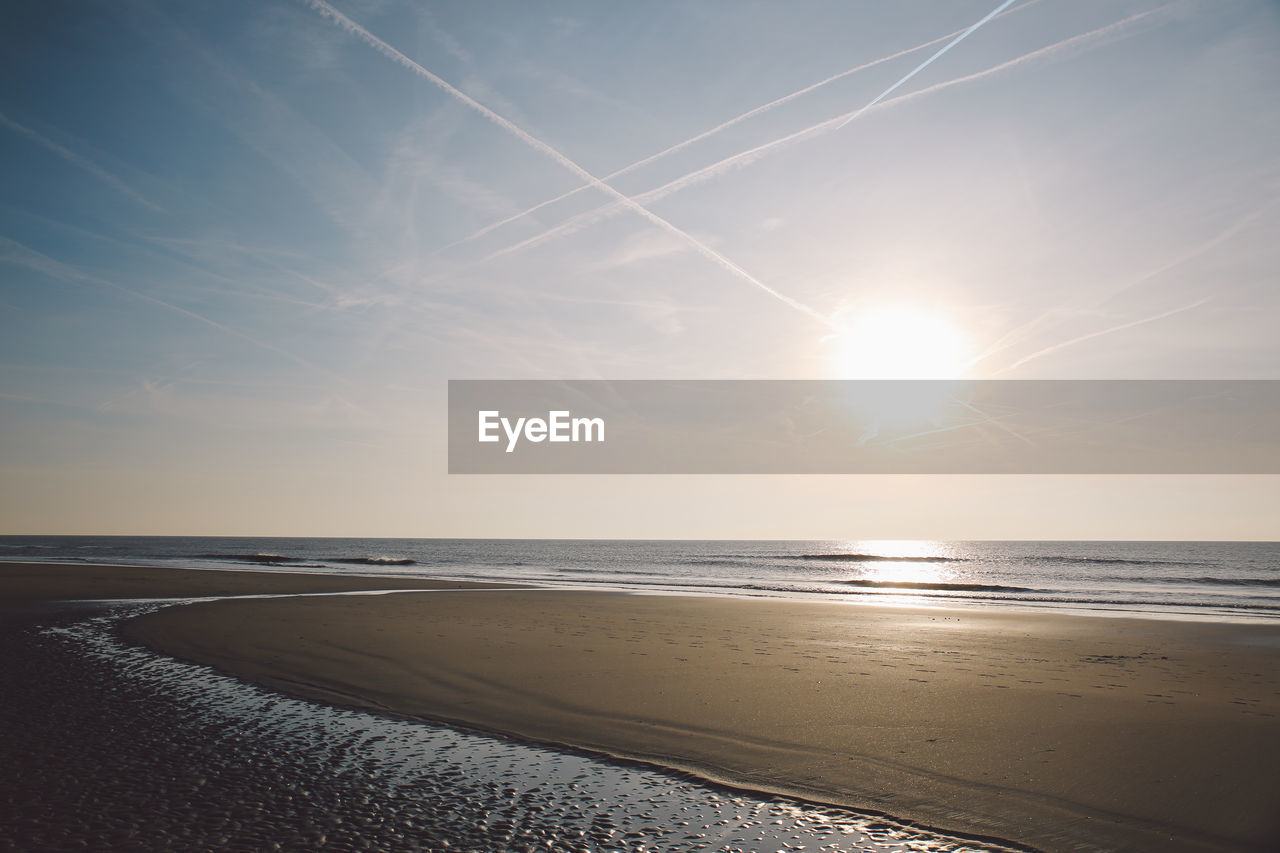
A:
(538, 145)
(81, 162)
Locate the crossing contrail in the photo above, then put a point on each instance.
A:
(744, 157)
(1039, 53)
(748, 156)
(725, 125)
(515, 130)
(923, 65)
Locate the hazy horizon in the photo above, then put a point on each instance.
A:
(590, 538)
(244, 247)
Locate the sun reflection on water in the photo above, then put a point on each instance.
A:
(906, 573)
(904, 561)
(904, 548)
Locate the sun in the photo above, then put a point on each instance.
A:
(900, 342)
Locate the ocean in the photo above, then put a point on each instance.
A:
(1205, 580)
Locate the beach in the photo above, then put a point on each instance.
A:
(640, 427)
(1051, 730)
(1057, 731)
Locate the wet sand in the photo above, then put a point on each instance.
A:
(1061, 732)
(112, 747)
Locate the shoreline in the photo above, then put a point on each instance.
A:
(253, 580)
(36, 581)
(1041, 728)
(268, 759)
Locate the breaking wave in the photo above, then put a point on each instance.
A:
(939, 586)
(281, 560)
(871, 558)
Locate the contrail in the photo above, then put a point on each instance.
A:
(1048, 50)
(743, 158)
(538, 145)
(923, 65)
(76, 160)
(25, 399)
(15, 252)
(1100, 333)
(1015, 336)
(839, 121)
(717, 129)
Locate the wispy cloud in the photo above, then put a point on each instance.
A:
(81, 162)
(538, 145)
(643, 246)
(255, 110)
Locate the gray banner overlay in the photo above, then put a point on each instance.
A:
(864, 427)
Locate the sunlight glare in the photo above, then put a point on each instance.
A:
(913, 564)
(900, 342)
(903, 548)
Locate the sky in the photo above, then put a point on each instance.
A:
(244, 245)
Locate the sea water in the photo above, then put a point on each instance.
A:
(1216, 580)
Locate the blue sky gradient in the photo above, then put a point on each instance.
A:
(243, 246)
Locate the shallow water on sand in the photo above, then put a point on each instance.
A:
(109, 746)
